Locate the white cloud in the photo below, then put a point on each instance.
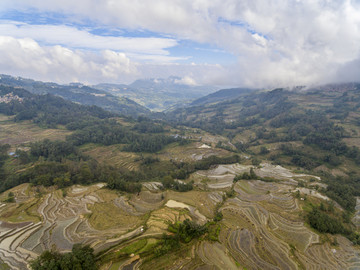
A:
(276, 42)
(187, 80)
(25, 57)
(204, 74)
(72, 37)
(349, 72)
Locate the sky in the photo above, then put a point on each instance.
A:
(247, 43)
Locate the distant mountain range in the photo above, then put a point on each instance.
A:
(158, 94)
(78, 93)
(137, 98)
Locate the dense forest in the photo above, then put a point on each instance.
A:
(63, 164)
(90, 123)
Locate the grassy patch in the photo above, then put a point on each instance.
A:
(4, 266)
(138, 247)
(115, 266)
(149, 247)
(198, 199)
(296, 258)
(134, 247)
(167, 260)
(106, 215)
(23, 212)
(25, 132)
(112, 155)
(213, 232)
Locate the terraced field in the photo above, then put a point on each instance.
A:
(222, 176)
(111, 155)
(262, 225)
(264, 231)
(263, 228)
(88, 215)
(25, 132)
(193, 151)
(64, 221)
(356, 218)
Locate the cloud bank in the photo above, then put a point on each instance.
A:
(56, 63)
(274, 43)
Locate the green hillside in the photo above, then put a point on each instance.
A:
(78, 93)
(246, 180)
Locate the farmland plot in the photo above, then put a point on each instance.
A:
(262, 226)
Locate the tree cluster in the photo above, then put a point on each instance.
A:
(80, 258)
(325, 223)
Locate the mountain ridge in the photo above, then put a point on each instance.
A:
(158, 94)
(222, 95)
(78, 93)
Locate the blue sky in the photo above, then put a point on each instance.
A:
(213, 42)
(188, 50)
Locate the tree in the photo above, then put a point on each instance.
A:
(22, 156)
(80, 258)
(264, 150)
(10, 198)
(252, 174)
(255, 161)
(324, 223)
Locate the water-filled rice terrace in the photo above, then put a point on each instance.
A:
(262, 226)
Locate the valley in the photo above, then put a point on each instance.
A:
(179, 135)
(258, 180)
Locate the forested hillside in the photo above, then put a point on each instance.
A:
(244, 174)
(315, 130)
(78, 93)
(62, 162)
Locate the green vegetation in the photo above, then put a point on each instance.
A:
(170, 183)
(326, 219)
(134, 247)
(343, 191)
(90, 123)
(81, 257)
(187, 230)
(120, 184)
(48, 110)
(300, 131)
(247, 176)
(10, 198)
(206, 163)
(143, 247)
(110, 132)
(183, 232)
(4, 266)
(61, 163)
(3, 157)
(81, 94)
(325, 223)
